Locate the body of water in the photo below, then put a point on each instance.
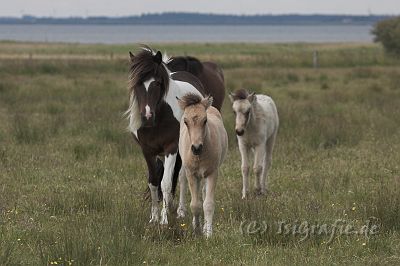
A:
(119, 34)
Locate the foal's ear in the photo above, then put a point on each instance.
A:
(158, 57)
(252, 97)
(207, 102)
(131, 56)
(181, 103)
(231, 97)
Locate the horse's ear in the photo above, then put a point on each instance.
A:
(181, 103)
(131, 56)
(231, 97)
(207, 102)
(252, 97)
(158, 58)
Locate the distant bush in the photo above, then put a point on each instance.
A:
(388, 33)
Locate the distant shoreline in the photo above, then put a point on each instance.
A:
(200, 19)
(117, 34)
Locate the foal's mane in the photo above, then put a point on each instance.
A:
(143, 67)
(190, 99)
(240, 94)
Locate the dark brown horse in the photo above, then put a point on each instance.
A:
(209, 73)
(154, 117)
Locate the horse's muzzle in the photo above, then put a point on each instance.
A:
(197, 149)
(148, 121)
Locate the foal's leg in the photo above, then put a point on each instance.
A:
(195, 204)
(166, 185)
(182, 193)
(244, 152)
(267, 163)
(209, 203)
(259, 156)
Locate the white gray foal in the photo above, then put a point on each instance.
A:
(256, 128)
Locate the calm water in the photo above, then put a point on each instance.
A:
(114, 34)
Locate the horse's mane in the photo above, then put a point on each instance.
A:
(185, 63)
(143, 67)
(191, 99)
(240, 94)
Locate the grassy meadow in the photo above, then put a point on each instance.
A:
(72, 179)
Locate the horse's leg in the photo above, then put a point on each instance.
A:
(267, 163)
(195, 203)
(209, 203)
(153, 186)
(166, 186)
(244, 152)
(182, 193)
(258, 167)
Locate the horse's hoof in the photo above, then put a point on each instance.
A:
(245, 195)
(262, 193)
(164, 218)
(153, 220)
(181, 212)
(207, 231)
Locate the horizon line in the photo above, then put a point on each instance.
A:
(199, 13)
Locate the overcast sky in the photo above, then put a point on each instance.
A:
(62, 8)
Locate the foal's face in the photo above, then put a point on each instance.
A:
(195, 119)
(242, 110)
(149, 94)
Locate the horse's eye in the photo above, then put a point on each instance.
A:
(185, 122)
(205, 121)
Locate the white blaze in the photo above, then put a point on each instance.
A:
(148, 113)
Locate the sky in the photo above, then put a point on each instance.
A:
(65, 8)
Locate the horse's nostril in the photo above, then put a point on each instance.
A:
(239, 132)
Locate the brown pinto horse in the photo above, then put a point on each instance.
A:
(154, 116)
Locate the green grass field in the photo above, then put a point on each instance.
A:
(72, 179)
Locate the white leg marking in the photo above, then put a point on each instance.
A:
(166, 186)
(154, 203)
